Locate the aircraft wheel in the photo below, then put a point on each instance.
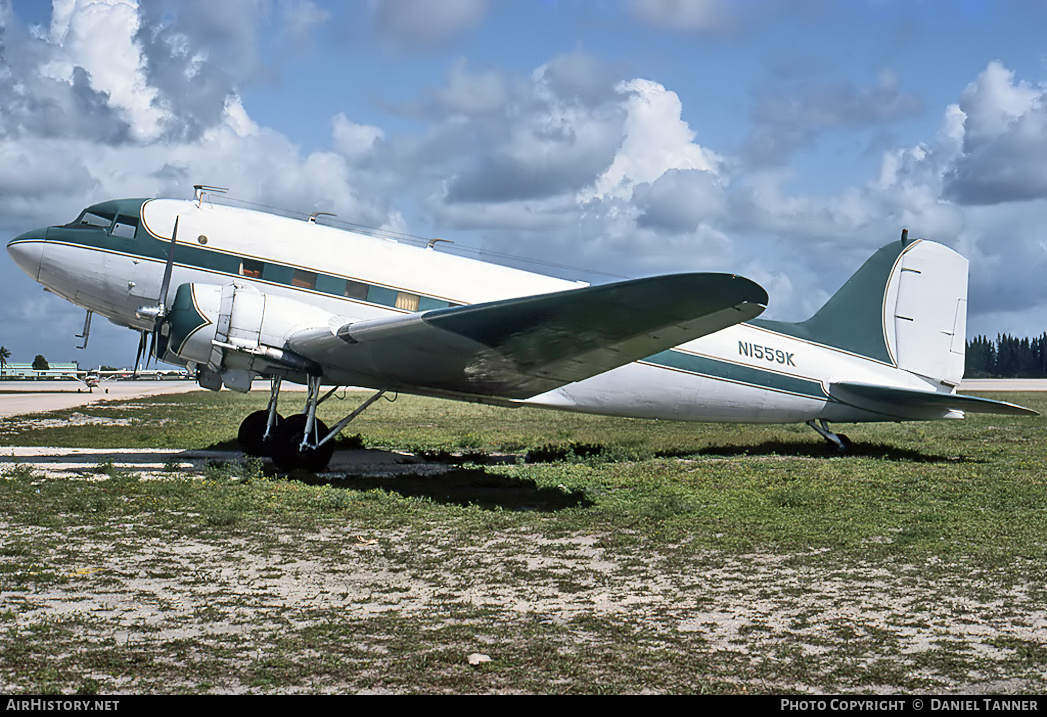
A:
(287, 452)
(846, 447)
(252, 434)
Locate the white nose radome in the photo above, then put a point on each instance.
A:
(27, 250)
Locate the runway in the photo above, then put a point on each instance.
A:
(1003, 384)
(20, 398)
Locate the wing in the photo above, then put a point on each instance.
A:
(915, 404)
(517, 348)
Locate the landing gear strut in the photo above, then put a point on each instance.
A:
(258, 430)
(300, 441)
(840, 442)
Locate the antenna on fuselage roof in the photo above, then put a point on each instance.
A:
(198, 195)
(314, 215)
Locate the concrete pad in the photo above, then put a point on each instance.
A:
(59, 462)
(84, 462)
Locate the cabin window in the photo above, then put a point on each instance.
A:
(304, 279)
(277, 273)
(428, 304)
(356, 290)
(251, 268)
(330, 284)
(407, 302)
(382, 295)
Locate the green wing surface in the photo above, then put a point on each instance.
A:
(915, 404)
(521, 347)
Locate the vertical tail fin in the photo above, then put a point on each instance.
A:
(929, 318)
(906, 306)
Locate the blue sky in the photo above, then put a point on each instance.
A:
(782, 140)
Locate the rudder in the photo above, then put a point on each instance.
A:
(925, 312)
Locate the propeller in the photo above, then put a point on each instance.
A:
(158, 311)
(141, 349)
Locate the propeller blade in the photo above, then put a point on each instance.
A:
(166, 283)
(141, 348)
(157, 312)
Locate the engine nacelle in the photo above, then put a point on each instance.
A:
(233, 332)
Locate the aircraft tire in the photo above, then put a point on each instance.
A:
(287, 452)
(252, 432)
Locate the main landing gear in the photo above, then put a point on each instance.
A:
(838, 441)
(299, 441)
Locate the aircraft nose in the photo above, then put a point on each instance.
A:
(27, 250)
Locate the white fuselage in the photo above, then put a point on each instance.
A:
(742, 374)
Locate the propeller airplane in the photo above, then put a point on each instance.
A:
(233, 293)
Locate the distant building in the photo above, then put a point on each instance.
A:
(25, 371)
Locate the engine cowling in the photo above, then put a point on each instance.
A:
(234, 332)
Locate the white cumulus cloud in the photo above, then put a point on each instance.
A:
(1003, 155)
(99, 37)
(656, 140)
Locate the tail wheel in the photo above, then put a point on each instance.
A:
(251, 435)
(287, 451)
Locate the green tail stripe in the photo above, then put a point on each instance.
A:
(852, 319)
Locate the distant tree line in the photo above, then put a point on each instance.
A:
(1006, 357)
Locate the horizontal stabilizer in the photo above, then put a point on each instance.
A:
(517, 348)
(907, 403)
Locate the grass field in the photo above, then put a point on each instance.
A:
(579, 554)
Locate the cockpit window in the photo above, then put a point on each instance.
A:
(125, 227)
(92, 219)
(119, 225)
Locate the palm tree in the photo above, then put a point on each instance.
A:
(4, 355)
